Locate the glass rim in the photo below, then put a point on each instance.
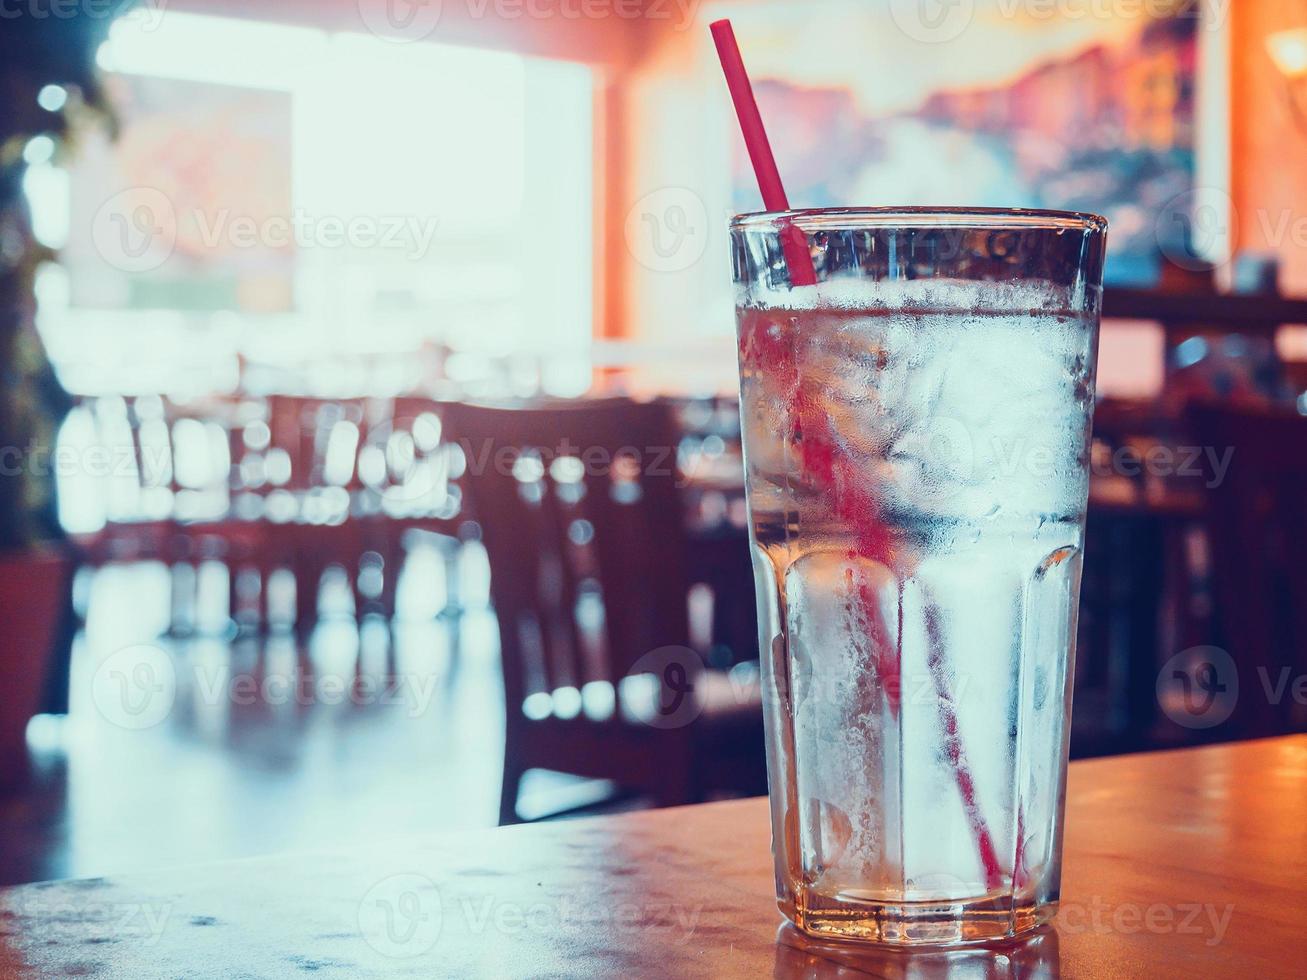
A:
(986, 219)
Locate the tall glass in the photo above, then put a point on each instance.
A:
(916, 434)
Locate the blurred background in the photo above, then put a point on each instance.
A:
(261, 262)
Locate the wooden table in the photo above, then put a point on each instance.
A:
(1182, 864)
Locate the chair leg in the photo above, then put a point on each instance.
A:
(184, 598)
(451, 551)
(390, 568)
(237, 607)
(354, 570)
(508, 796)
(233, 593)
(307, 581)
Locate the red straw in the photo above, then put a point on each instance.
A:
(793, 243)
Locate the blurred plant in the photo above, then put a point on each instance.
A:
(38, 49)
(48, 83)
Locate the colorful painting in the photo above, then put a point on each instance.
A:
(189, 208)
(1020, 105)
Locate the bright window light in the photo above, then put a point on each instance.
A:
(481, 159)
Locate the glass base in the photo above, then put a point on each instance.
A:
(947, 922)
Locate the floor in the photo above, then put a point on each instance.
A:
(185, 750)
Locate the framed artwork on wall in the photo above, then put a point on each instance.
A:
(995, 103)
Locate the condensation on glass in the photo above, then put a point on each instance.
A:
(917, 431)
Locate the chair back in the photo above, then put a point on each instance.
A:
(581, 517)
(199, 458)
(314, 442)
(1258, 531)
(134, 436)
(405, 461)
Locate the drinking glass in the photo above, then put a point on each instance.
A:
(916, 433)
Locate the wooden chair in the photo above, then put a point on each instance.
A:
(134, 484)
(405, 469)
(1258, 529)
(583, 523)
(33, 586)
(259, 484)
(298, 479)
(1139, 591)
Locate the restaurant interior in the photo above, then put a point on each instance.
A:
(372, 444)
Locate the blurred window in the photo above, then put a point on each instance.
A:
(283, 192)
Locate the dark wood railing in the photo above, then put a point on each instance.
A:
(1247, 313)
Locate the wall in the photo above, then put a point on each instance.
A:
(611, 42)
(659, 152)
(1251, 146)
(545, 28)
(1268, 151)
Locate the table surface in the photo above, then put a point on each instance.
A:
(1180, 864)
